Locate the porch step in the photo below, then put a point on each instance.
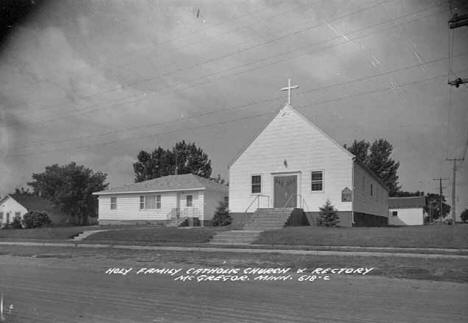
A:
(83, 235)
(269, 219)
(176, 222)
(235, 237)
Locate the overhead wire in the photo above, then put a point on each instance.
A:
(244, 106)
(233, 53)
(144, 96)
(364, 93)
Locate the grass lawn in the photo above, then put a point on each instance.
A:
(51, 233)
(155, 235)
(455, 270)
(430, 236)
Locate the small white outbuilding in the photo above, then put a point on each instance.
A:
(406, 210)
(17, 205)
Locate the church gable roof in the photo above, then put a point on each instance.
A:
(288, 109)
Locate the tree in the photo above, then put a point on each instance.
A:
(218, 179)
(328, 215)
(432, 207)
(23, 191)
(464, 216)
(70, 188)
(221, 216)
(376, 157)
(360, 149)
(183, 158)
(35, 219)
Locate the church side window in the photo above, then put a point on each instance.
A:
(256, 184)
(317, 181)
(113, 203)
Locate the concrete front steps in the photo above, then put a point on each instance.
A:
(262, 220)
(269, 219)
(235, 237)
(83, 235)
(176, 222)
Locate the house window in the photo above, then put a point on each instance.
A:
(256, 184)
(371, 190)
(317, 181)
(150, 202)
(113, 204)
(394, 213)
(158, 201)
(189, 200)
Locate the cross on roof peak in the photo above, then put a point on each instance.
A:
(289, 88)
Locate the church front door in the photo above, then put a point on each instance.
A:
(285, 191)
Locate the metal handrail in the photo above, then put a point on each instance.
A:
(289, 199)
(302, 201)
(257, 198)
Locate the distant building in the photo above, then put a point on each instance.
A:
(19, 204)
(406, 210)
(294, 164)
(162, 200)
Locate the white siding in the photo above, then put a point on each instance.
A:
(9, 208)
(128, 206)
(291, 144)
(365, 202)
(411, 216)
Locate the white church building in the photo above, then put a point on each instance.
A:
(294, 164)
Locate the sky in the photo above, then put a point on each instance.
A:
(97, 81)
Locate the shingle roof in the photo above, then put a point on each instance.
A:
(406, 202)
(167, 184)
(32, 202)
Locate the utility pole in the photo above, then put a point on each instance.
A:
(454, 177)
(440, 179)
(455, 22)
(458, 81)
(458, 21)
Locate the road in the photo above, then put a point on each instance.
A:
(65, 289)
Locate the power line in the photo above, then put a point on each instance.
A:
(237, 107)
(224, 122)
(81, 111)
(237, 52)
(249, 14)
